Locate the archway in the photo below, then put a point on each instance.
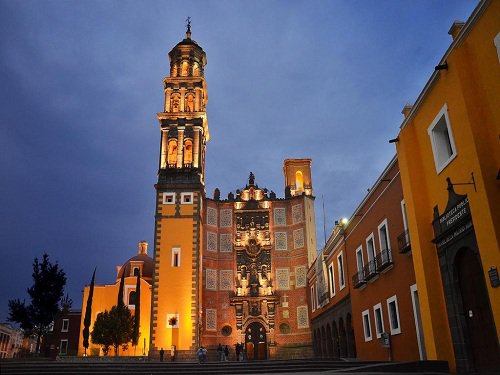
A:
(335, 336)
(351, 344)
(323, 343)
(480, 327)
(256, 341)
(342, 339)
(329, 341)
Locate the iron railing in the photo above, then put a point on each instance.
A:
(384, 259)
(404, 242)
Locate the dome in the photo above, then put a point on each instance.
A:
(141, 260)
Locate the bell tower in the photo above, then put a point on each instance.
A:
(180, 191)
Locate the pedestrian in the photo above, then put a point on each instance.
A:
(204, 354)
(237, 350)
(162, 353)
(172, 353)
(199, 353)
(226, 353)
(219, 353)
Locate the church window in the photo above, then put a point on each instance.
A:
(281, 241)
(211, 276)
(280, 216)
(212, 241)
(132, 298)
(302, 318)
(225, 244)
(184, 69)
(226, 331)
(441, 136)
(173, 321)
(297, 214)
(212, 216)
(298, 238)
(136, 272)
(187, 198)
(226, 218)
(188, 153)
(282, 278)
(172, 153)
(285, 328)
(211, 315)
(176, 257)
(300, 277)
(226, 280)
(299, 181)
(168, 198)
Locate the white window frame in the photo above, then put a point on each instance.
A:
(61, 347)
(128, 289)
(372, 266)
(176, 250)
(378, 306)
(404, 214)
(496, 41)
(331, 279)
(187, 195)
(416, 316)
(67, 325)
(166, 195)
(380, 226)
(393, 299)
(437, 148)
(365, 317)
(359, 269)
(313, 297)
(341, 269)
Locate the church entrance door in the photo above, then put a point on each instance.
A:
(256, 341)
(477, 312)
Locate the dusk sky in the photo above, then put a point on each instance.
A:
(81, 83)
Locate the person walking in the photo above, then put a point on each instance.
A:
(226, 353)
(237, 350)
(219, 353)
(199, 353)
(162, 353)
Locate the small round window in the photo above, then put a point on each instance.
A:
(226, 330)
(284, 328)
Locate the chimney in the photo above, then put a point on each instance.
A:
(407, 109)
(143, 248)
(455, 29)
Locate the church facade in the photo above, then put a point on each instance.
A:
(231, 270)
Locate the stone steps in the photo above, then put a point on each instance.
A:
(78, 367)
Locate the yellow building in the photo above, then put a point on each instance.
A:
(449, 155)
(106, 296)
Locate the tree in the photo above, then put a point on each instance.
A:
(115, 328)
(120, 302)
(137, 314)
(88, 315)
(45, 293)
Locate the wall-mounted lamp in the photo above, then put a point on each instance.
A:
(394, 140)
(441, 66)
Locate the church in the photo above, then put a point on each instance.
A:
(222, 270)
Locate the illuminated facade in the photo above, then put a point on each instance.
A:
(106, 296)
(226, 270)
(449, 157)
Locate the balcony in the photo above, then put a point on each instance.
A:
(370, 271)
(404, 243)
(358, 280)
(384, 261)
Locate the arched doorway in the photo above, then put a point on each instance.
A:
(329, 340)
(342, 339)
(480, 327)
(335, 335)
(351, 344)
(256, 341)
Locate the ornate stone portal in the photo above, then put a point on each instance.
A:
(254, 299)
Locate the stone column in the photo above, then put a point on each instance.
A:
(196, 148)
(168, 94)
(164, 149)
(183, 94)
(180, 147)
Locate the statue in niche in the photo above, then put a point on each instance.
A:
(188, 152)
(230, 196)
(288, 192)
(175, 103)
(190, 103)
(172, 152)
(272, 195)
